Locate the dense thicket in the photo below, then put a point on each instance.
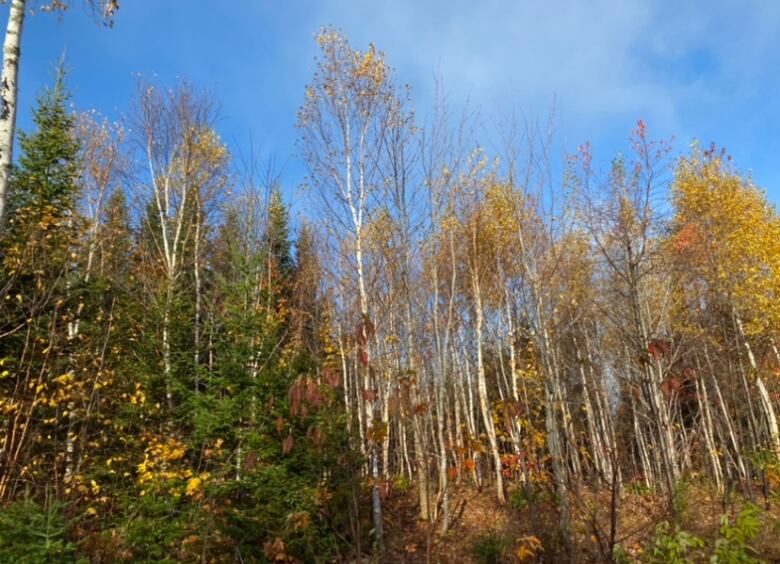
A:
(186, 376)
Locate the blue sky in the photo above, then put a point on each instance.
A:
(703, 69)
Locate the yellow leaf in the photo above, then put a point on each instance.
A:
(193, 486)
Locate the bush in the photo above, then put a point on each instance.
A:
(528, 496)
(492, 548)
(520, 499)
(32, 534)
(733, 546)
(674, 546)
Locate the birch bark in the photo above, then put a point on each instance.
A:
(8, 97)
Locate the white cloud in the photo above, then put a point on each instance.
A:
(690, 69)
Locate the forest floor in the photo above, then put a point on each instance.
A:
(482, 530)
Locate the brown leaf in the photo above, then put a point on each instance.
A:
(331, 377)
(364, 330)
(421, 408)
(394, 405)
(671, 385)
(250, 461)
(658, 348)
(287, 444)
(316, 435)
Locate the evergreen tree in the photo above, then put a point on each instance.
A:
(278, 234)
(47, 173)
(306, 310)
(41, 257)
(116, 240)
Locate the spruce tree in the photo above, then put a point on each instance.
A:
(47, 172)
(40, 263)
(306, 299)
(116, 241)
(278, 234)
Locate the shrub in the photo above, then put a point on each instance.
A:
(674, 546)
(492, 548)
(733, 546)
(31, 533)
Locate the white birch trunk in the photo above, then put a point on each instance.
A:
(763, 393)
(8, 97)
(709, 440)
(484, 401)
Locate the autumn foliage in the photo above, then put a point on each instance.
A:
(186, 374)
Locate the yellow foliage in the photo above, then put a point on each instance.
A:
(194, 484)
(65, 379)
(138, 397)
(160, 463)
(726, 235)
(530, 546)
(371, 66)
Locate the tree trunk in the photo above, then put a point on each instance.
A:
(709, 440)
(198, 291)
(8, 96)
(763, 393)
(484, 401)
(166, 345)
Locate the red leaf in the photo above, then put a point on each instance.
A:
(421, 408)
(296, 398)
(331, 377)
(316, 435)
(658, 348)
(384, 489)
(671, 385)
(641, 129)
(364, 330)
(313, 395)
(287, 444)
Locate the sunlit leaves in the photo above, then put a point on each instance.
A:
(728, 237)
(163, 468)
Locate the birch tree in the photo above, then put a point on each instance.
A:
(8, 96)
(728, 236)
(343, 120)
(625, 227)
(184, 161)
